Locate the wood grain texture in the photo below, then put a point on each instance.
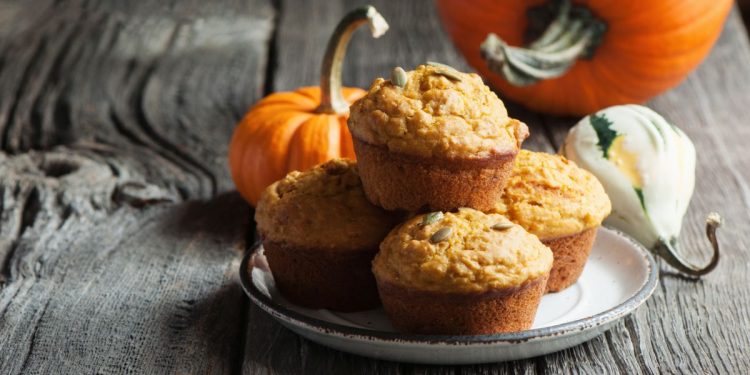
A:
(167, 80)
(687, 327)
(119, 243)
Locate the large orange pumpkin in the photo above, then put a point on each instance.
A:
(586, 56)
(297, 130)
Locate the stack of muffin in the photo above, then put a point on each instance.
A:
(443, 219)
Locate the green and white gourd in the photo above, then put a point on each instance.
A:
(647, 167)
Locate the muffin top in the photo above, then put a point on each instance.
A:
(324, 207)
(436, 114)
(551, 197)
(474, 257)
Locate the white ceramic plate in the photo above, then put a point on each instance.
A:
(619, 276)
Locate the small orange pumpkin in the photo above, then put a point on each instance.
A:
(289, 131)
(584, 56)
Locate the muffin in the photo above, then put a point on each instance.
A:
(440, 141)
(562, 204)
(462, 273)
(320, 235)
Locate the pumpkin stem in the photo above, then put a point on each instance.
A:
(574, 33)
(331, 100)
(667, 250)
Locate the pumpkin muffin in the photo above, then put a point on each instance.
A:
(462, 273)
(320, 235)
(433, 138)
(562, 204)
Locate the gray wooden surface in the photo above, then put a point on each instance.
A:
(120, 235)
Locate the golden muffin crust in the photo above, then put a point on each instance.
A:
(323, 208)
(474, 258)
(436, 116)
(551, 197)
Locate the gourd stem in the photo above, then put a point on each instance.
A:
(667, 250)
(573, 34)
(331, 100)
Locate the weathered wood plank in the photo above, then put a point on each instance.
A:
(112, 114)
(167, 80)
(90, 229)
(686, 327)
(126, 291)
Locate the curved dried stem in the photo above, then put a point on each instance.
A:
(573, 34)
(668, 250)
(331, 100)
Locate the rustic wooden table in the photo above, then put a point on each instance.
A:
(121, 233)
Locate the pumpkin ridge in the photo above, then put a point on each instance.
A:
(313, 142)
(265, 146)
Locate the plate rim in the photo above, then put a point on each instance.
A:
(293, 317)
